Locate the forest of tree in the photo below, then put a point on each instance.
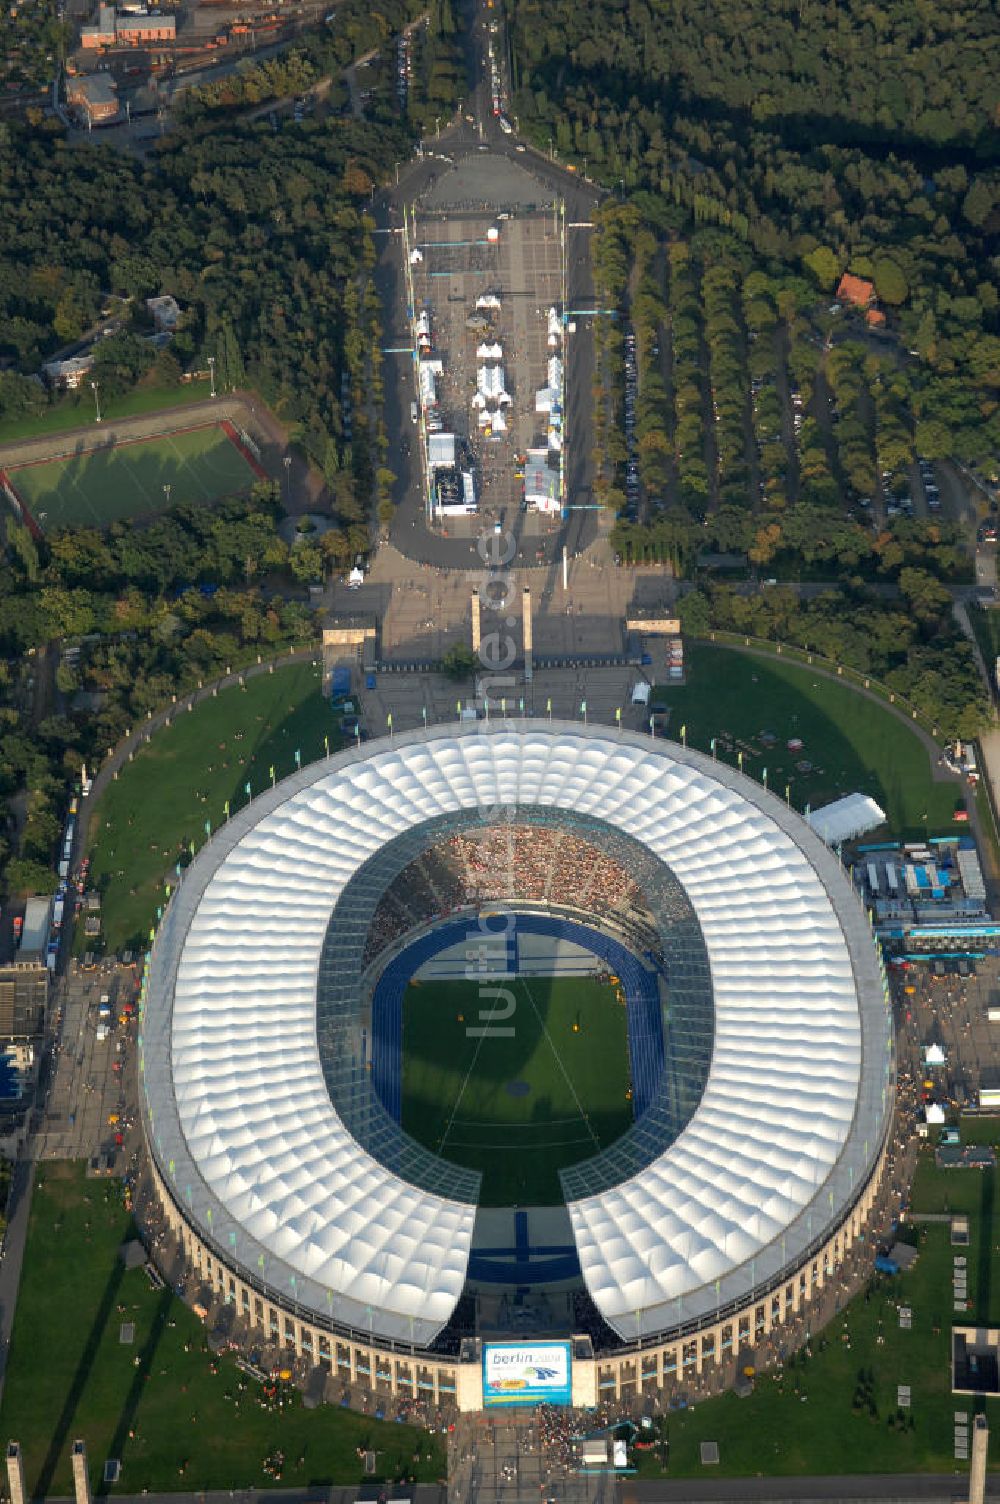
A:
(823, 136)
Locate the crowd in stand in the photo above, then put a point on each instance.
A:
(507, 863)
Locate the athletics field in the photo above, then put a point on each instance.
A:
(545, 1089)
(135, 478)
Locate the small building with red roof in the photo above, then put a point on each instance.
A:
(855, 290)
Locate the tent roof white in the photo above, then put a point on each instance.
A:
(441, 451)
(244, 1130)
(846, 818)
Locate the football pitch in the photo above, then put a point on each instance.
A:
(135, 479)
(542, 1086)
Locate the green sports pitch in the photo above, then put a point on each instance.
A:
(134, 479)
(518, 1105)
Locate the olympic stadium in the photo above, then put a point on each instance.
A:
(631, 922)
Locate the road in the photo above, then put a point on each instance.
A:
(505, 174)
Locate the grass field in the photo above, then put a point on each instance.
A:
(176, 1417)
(160, 802)
(850, 741)
(76, 409)
(517, 1106)
(103, 486)
(803, 1420)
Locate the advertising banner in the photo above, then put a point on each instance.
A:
(526, 1373)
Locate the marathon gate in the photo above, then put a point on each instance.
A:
(523, 1373)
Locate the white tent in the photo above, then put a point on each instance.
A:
(846, 818)
(489, 352)
(488, 300)
(441, 451)
(555, 323)
(934, 1055)
(934, 1112)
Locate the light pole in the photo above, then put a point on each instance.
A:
(288, 479)
(211, 372)
(550, 149)
(166, 492)
(95, 387)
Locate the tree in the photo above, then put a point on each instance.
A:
(459, 662)
(890, 281)
(977, 205)
(27, 876)
(824, 265)
(927, 597)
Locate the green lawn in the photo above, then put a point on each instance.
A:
(803, 1420)
(76, 409)
(851, 742)
(986, 626)
(137, 479)
(176, 1417)
(516, 1106)
(146, 820)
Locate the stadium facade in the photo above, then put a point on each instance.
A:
(714, 1223)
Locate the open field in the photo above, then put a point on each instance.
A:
(146, 820)
(516, 1106)
(849, 741)
(136, 479)
(802, 1420)
(986, 626)
(173, 1414)
(76, 409)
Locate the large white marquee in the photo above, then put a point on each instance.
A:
(256, 1156)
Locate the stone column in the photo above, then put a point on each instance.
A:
(977, 1467)
(15, 1474)
(81, 1476)
(477, 628)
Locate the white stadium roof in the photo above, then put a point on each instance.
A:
(244, 1131)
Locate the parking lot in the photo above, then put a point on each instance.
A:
(523, 269)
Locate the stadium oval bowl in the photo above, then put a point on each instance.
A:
(770, 1178)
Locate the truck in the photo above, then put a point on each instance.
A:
(36, 928)
(340, 683)
(57, 912)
